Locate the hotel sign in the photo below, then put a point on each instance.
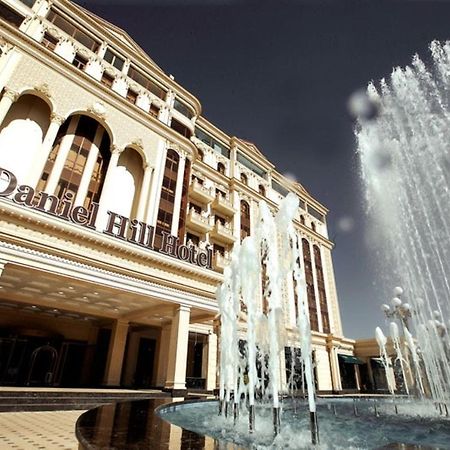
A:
(118, 226)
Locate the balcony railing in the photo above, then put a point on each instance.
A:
(224, 205)
(199, 192)
(220, 261)
(198, 222)
(223, 233)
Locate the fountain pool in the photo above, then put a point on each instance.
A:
(374, 424)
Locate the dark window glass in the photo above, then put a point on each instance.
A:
(29, 3)
(113, 59)
(251, 165)
(213, 143)
(180, 128)
(79, 61)
(316, 214)
(280, 189)
(49, 41)
(310, 286)
(145, 82)
(321, 289)
(183, 109)
(166, 203)
(245, 219)
(9, 15)
(72, 30)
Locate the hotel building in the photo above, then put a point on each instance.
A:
(119, 206)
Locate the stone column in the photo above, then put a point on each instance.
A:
(163, 356)
(89, 167)
(334, 366)
(107, 184)
(178, 347)
(9, 97)
(61, 157)
(145, 192)
(178, 193)
(41, 157)
(116, 353)
(211, 362)
(155, 192)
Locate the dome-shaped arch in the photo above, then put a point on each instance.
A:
(22, 133)
(97, 117)
(40, 93)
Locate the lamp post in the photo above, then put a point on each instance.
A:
(399, 309)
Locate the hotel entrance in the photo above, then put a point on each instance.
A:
(32, 359)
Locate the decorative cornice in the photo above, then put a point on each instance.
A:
(11, 94)
(43, 89)
(98, 109)
(56, 118)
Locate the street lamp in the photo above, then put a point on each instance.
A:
(398, 310)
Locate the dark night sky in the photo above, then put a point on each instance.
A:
(279, 73)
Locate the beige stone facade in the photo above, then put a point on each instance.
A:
(119, 206)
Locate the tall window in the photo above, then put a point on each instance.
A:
(74, 167)
(166, 203)
(244, 178)
(245, 219)
(221, 168)
(200, 155)
(302, 219)
(321, 288)
(310, 286)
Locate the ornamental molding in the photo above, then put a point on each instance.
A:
(11, 94)
(43, 89)
(98, 109)
(115, 149)
(140, 286)
(56, 118)
(138, 143)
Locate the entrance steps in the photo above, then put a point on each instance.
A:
(59, 399)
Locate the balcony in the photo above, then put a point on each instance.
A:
(220, 262)
(197, 222)
(200, 193)
(223, 205)
(223, 233)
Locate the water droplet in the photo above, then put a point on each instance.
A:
(361, 106)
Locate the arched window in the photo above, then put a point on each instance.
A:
(84, 139)
(200, 154)
(169, 184)
(262, 190)
(302, 219)
(321, 289)
(244, 178)
(310, 286)
(245, 219)
(221, 168)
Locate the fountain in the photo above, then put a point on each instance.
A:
(408, 200)
(405, 163)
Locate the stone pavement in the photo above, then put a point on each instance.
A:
(46, 430)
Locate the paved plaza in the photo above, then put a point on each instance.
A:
(39, 430)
